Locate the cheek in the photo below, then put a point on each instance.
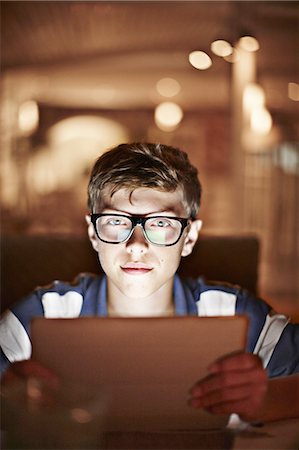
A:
(171, 258)
(106, 254)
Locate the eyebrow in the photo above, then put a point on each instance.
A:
(153, 213)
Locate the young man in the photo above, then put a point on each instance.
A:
(143, 200)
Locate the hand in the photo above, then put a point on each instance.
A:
(31, 379)
(24, 370)
(237, 384)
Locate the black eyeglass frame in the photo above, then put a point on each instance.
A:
(137, 220)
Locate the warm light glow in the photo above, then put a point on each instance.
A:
(249, 43)
(221, 48)
(84, 127)
(72, 145)
(261, 121)
(200, 60)
(28, 117)
(168, 115)
(233, 57)
(81, 415)
(168, 87)
(293, 91)
(253, 97)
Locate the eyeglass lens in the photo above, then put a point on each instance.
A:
(158, 230)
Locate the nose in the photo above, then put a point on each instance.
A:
(137, 242)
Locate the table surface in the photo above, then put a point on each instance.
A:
(279, 435)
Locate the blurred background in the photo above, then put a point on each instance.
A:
(217, 79)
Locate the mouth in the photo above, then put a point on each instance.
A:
(136, 268)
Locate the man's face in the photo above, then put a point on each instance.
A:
(137, 268)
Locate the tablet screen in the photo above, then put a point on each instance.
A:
(144, 367)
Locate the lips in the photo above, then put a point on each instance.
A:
(136, 268)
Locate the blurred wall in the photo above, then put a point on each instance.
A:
(78, 78)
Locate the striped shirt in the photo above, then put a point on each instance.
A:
(271, 335)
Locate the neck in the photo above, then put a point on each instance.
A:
(157, 305)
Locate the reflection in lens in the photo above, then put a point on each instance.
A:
(114, 228)
(122, 235)
(161, 230)
(157, 237)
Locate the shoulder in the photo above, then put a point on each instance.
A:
(58, 299)
(205, 292)
(214, 298)
(270, 335)
(224, 299)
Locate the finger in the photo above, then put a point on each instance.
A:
(252, 393)
(223, 380)
(246, 409)
(40, 392)
(236, 361)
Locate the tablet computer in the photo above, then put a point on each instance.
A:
(144, 367)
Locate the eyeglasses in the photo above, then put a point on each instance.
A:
(158, 230)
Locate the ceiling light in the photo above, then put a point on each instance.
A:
(168, 87)
(221, 48)
(249, 43)
(168, 115)
(200, 60)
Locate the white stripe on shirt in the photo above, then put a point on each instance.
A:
(269, 336)
(216, 303)
(14, 339)
(62, 306)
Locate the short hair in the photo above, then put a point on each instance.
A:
(136, 165)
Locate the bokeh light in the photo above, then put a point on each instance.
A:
(200, 60)
(253, 97)
(168, 115)
(28, 117)
(261, 121)
(221, 48)
(249, 43)
(168, 87)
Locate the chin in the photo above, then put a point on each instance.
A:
(138, 290)
(138, 293)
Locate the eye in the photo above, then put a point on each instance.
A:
(160, 223)
(115, 221)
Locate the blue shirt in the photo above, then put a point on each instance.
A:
(271, 335)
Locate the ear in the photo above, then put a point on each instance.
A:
(91, 233)
(191, 237)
